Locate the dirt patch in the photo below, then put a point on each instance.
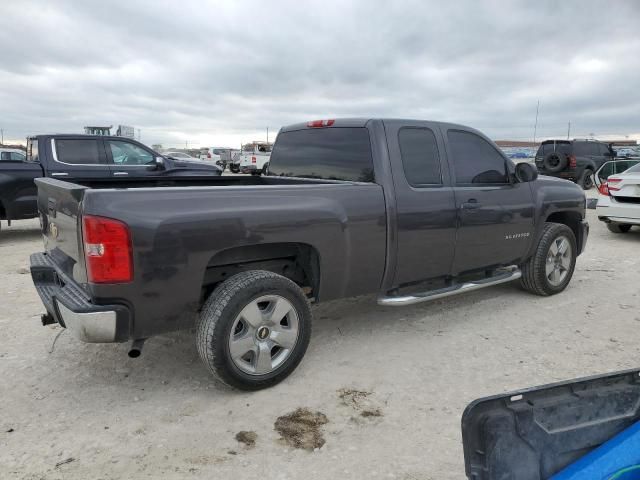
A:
(301, 428)
(248, 438)
(361, 402)
(353, 398)
(376, 412)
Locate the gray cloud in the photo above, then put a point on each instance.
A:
(219, 72)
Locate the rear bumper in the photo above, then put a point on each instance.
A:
(70, 306)
(610, 210)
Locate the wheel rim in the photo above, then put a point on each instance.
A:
(559, 260)
(588, 181)
(264, 334)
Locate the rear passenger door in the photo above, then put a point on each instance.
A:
(425, 204)
(128, 159)
(77, 158)
(495, 214)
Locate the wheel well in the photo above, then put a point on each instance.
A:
(571, 220)
(297, 261)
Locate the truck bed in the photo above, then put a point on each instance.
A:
(185, 231)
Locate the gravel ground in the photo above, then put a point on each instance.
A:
(381, 389)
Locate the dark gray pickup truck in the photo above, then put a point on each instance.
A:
(77, 158)
(410, 210)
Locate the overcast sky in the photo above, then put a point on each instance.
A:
(216, 73)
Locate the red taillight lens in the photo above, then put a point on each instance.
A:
(613, 184)
(320, 123)
(208, 154)
(107, 250)
(603, 189)
(573, 162)
(253, 159)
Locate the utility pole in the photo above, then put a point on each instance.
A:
(267, 134)
(1, 136)
(568, 130)
(535, 127)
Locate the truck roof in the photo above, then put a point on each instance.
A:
(362, 122)
(82, 135)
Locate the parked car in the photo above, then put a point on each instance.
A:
(613, 167)
(212, 155)
(12, 155)
(181, 156)
(254, 159)
(79, 158)
(575, 160)
(413, 210)
(619, 201)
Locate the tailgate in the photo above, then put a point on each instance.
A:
(59, 206)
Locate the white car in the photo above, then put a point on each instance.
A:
(256, 160)
(181, 156)
(210, 155)
(12, 154)
(619, 200)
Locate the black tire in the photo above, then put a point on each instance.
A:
(234, 169)
(213, 327)
(586, 179)
(265, 169)
(534, 278)
(618, 227)
(555, 162)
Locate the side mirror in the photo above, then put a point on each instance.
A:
(525, 172)
(160, 163)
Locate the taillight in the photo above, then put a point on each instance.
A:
(320, 123)
(603, 189)
(615, 181)
(573, 162)
(253, 159)
(208, 154)
(107, 250)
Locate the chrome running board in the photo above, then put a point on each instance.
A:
(506, 275)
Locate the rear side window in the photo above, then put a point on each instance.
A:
(324, 153)
(585, 148)
(476, 160)
(77, 152)
(420, 157)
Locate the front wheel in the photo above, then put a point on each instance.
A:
(618, 227)
(551, 267)
(254, 330)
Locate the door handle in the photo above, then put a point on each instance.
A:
(471, 204)
(120, 173)
(59, 174)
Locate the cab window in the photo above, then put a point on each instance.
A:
(125, 153)
(476, 161)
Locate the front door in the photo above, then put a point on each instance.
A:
(426, 214)
(495, 213)
(130, 160)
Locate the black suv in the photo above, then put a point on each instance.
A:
(575, 160)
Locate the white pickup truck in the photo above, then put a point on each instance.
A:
(254, 158)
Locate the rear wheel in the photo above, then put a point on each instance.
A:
(586, 179)
(618, 227)
(551, 267)
(254, 330)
